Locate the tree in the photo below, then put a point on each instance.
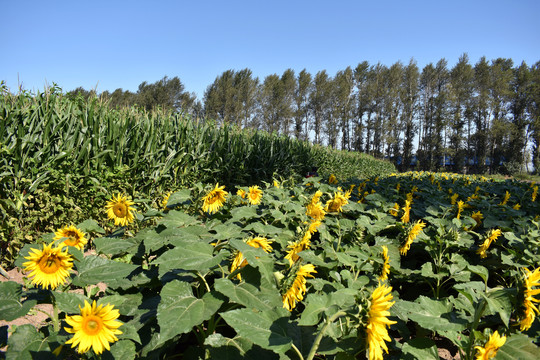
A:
(361, 73)
(481, 114)
(166, 93)
(461, 87)
(391, 137)
(534, 111)
(409, 97)
(301, 100)
(318, 103)
(220, 99)
(520, 86)
(344, 104)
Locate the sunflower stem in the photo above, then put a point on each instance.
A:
(56, 322)
(297, 351)
(320, 335)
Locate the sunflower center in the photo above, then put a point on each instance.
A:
(212, 198)
(49, 264)
(92, 325)
(120, 210)
(72, 238)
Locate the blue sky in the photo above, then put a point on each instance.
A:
(119, 44)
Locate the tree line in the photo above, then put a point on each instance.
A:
(473, 118)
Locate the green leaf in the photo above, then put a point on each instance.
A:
(179, 311)
(91, 225)
(479, 270)
(499, 301)
(224, 348)
(268, 329)
(69, 302)
(244, 213)
(95, 269)
(420, 348)
(122, 349)
(518, 347)
(249, 295)
(116, 246)
(177, 219)
(11, 306)
(436, 315)
(25, 343)
(195, 256)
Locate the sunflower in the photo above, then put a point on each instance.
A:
(49, 267)
(239, 260)
(413, 233)
(276, 184)
(165, 200)
(297, 290)
(534, 193)
(376, 330)
(336, 203)
(490, 349)
(254, 195)
(386, 265)
(453, 198)
(460, 207)
(394, 210)
(406, 212)
(532, 279)
(491, 236)
(477, 216)
(72, 236)
(506, 198)
(214, 199)
(95, 328)
(119, 209)
(332, 179)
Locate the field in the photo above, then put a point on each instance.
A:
(408, 263)
(132, 249)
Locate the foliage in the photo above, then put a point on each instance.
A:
(172, 285)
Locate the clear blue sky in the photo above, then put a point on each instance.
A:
(119, 44)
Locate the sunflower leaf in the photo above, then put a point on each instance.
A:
(11, 307)
(26, 343)
(518, 347)
(268, 329)
(95, 269)
(179, 311)
(197, 256)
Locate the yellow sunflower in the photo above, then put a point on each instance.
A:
(165, 200)
(297, 290)
(491, 236)
(254, 195)
(332, 179)
(477, 216)
(378, 314)
(119, 209)
(95, 328)
(72, 236)
(413, 233)
(506, 198)
(394, 210)
(406, 212)
(257, 242)
(386, 266)
(336, 203)
(490, 349)
(460, 207)
(532, 279)
(276, 184)
(214, 199)
(534, 193)
(49, 267)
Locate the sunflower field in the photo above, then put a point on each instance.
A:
(402, 266)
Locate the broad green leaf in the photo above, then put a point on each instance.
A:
(69, 302)
(122, 349)
(244, 213)
(248, 295)
(95, 269)
(177, 219)
(480, 271)
(91, 225)
(432, 314)
(316, 305)
(518, 347)
(11, 304)
(193, 256)
(256, 257)
(499, 301)
(116, 246)
(420, 348)
(25, 343)
(268, 329)
(179, 311)
(221, 347)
